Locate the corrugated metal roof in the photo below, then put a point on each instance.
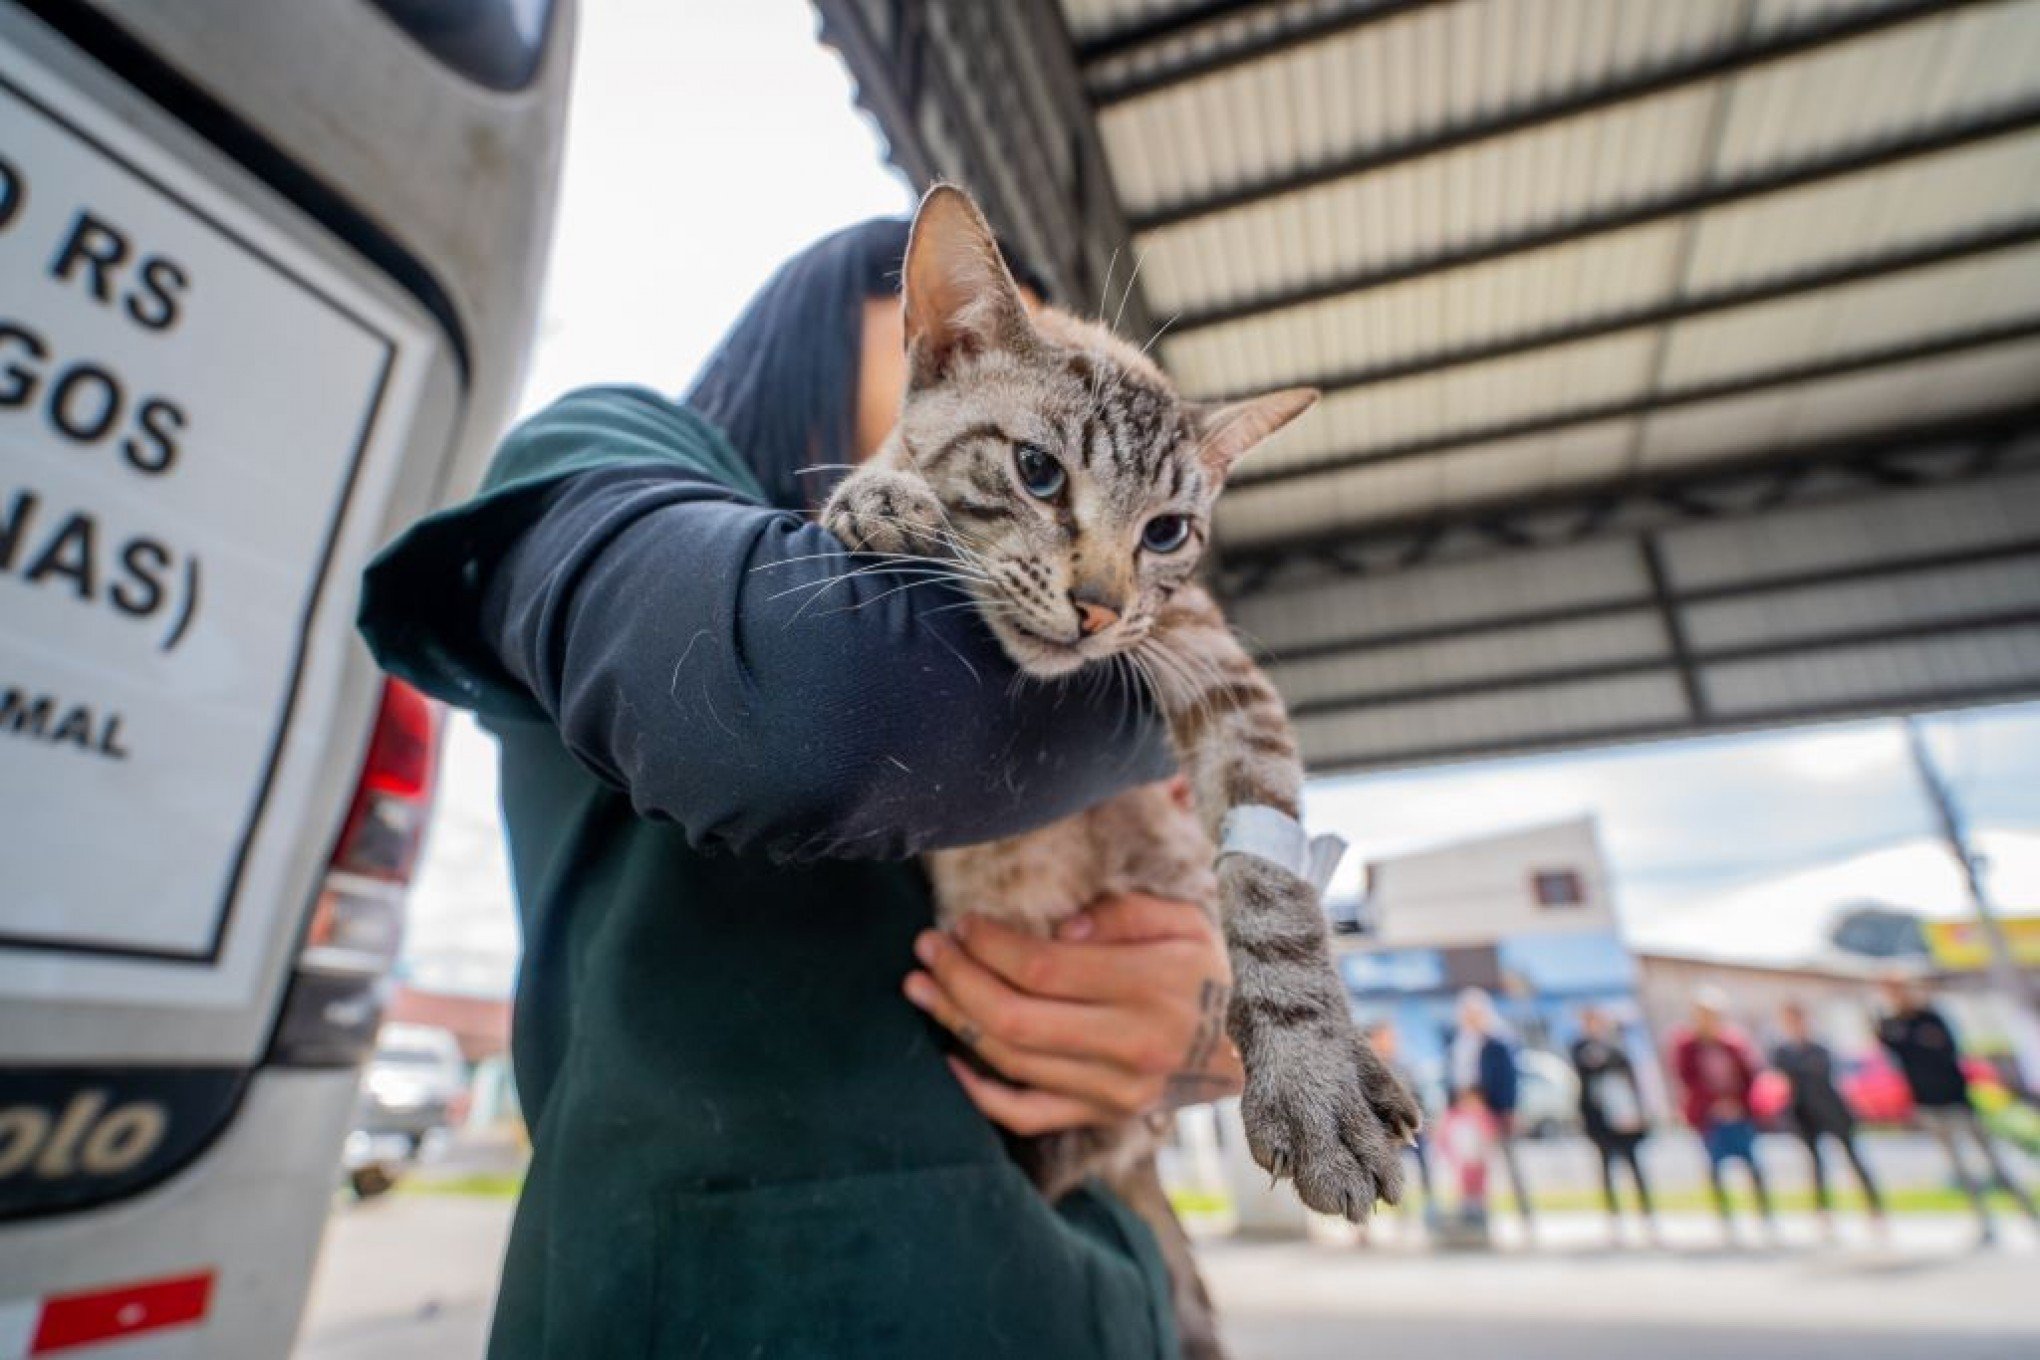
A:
(1600, 291)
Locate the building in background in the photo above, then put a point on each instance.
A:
(1824, 936)
(480, 1023)
(1526, 915)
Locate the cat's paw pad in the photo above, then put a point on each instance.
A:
(1320, 1126)
(884, 512)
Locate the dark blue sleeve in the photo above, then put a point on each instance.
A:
(733, 670)
(1498, 1076)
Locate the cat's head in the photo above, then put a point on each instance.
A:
(1079, 485)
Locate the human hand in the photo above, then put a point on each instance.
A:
(1119, 1015)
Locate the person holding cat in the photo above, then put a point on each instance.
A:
(722, 741)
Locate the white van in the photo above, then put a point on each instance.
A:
(268, 274)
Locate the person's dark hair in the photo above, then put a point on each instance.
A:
(783, 382)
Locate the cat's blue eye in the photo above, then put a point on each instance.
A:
(1039, 472)
(1165, 533)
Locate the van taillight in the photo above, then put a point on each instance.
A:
(336, 995)
(387, 821)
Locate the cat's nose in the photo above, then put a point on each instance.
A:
(1093, 614)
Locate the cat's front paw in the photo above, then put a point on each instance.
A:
(1323, 1111)
(878, 511)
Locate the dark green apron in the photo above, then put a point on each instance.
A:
(745, 1143)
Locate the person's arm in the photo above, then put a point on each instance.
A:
(1590, 1111)
(1498, 1076)
(1628, 1071)
(734, 671)
(1683, 1074)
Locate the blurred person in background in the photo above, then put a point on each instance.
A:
(1467, 1136)
(1925, 1048)
(1716, 1069)
(742, 1133)
(1819, 1112)
(1387, 1045)
(1483, 1061)
(1611, 1113)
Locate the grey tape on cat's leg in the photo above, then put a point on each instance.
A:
(1273, 835)
(1325, 853)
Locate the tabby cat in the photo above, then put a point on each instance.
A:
(1052, 467)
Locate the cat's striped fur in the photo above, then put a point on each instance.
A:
(1076, 577)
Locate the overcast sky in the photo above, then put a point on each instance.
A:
(704, 148)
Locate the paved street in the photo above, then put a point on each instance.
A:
(408, 1278)
(1928, 1295)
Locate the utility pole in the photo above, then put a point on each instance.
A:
(2005, 974)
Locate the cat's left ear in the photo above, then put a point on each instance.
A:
(1228, 431)
(960, 298)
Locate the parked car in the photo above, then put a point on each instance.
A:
(416, 1084)
(415, 1087)
(1547, 1093)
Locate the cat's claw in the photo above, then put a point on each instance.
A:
(1335, 1125)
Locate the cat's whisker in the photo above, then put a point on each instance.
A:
(1175, 669)
(959, 540)
(820, 589)
(1105, 288)
(1198, 667)
(1160, 331)
(1253, 642)
(967, 552)
(1126, 682)
(966, 560)
(855, 605)
(839, 554)
(1139, 259)
(920, 565)
(951, 608)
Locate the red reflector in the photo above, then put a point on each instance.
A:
(106, 1314)
(387, 821)
(400, 757)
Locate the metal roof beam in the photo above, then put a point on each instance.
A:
(1793, 42)
(1794, 375)
(1656, 598)
(1914, 701)
(1985, 127)
(1278, 36)
(1821, 278)
(1665, 600)
(1781, 473)
(1685, 664)
(1131, 37)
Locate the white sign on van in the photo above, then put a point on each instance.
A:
(182, 412)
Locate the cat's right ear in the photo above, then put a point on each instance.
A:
(960, 298)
